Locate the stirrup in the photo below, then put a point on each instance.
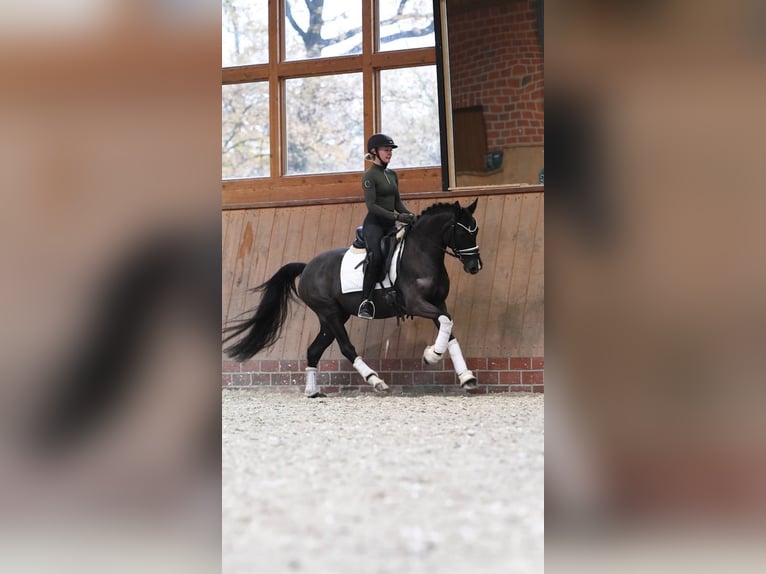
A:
(363, 311)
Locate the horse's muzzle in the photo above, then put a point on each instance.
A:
(472, 265)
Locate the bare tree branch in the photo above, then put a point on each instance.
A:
(293, 23)
(409, 34)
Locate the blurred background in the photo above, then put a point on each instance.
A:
(655, 275)
(110, 168)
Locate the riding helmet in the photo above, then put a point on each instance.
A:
(380, 140)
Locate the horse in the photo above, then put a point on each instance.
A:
(421, 288)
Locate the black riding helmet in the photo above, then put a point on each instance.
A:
(380, 140)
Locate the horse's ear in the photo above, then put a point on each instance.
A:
(471, 208)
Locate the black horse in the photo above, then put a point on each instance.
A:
(421, 288)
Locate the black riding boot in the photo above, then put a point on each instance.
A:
(367, 308)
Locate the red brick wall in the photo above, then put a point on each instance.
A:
(404, 376)
(496, 61)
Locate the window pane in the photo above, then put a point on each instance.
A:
(410, 114)
(405, 25)
(245, 130)
(322, 28)
(324, 124)
(245, 32)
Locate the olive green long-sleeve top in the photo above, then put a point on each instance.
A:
(381, 192)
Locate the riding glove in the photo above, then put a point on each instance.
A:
(406, 218)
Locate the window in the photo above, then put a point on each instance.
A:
(245, 130)
(324, 123)
(305, 82)
(408, 99)
(245, 32)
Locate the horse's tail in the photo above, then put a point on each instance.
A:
(264, 327)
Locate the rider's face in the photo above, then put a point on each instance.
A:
(385, 154)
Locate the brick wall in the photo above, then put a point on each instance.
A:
(496, 61)
(404, 376)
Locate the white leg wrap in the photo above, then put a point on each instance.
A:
(445, 330)
(363, 368)
(369, 375)
(463, 374)
(311, 381)
(465, 377)
(456, 354)
(430, 357)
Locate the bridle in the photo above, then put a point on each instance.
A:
(468, 251)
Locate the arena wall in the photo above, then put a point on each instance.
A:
(497, 314)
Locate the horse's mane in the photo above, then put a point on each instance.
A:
(439, 207)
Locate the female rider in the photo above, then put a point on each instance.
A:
(384, 208)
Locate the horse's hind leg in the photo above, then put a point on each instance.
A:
(323, 340)
(336, 326)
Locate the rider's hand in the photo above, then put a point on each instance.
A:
(406, 218)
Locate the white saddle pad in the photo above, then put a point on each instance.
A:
(351, 275)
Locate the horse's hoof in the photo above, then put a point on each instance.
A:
(467, 381)
(430, 356)
(378, 384)
(316, 395)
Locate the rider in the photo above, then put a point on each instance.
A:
(384, 208)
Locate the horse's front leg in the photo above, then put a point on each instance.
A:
(433, 353)
(418, 306)
(464, 375)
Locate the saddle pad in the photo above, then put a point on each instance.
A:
(352, 277)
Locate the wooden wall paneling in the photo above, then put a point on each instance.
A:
(513, 330)
(511, 215)
(275, 258)
(241, 249)
(231, 223)
(471, 294)
(533, 324)
(498, 312)
(504, 264)
(261, 221)
(288, 246)
(489, 217)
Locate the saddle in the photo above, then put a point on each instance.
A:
(387, 246)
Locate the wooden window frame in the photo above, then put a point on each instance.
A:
(279, 187)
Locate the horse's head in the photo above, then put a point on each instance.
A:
(463, 240)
